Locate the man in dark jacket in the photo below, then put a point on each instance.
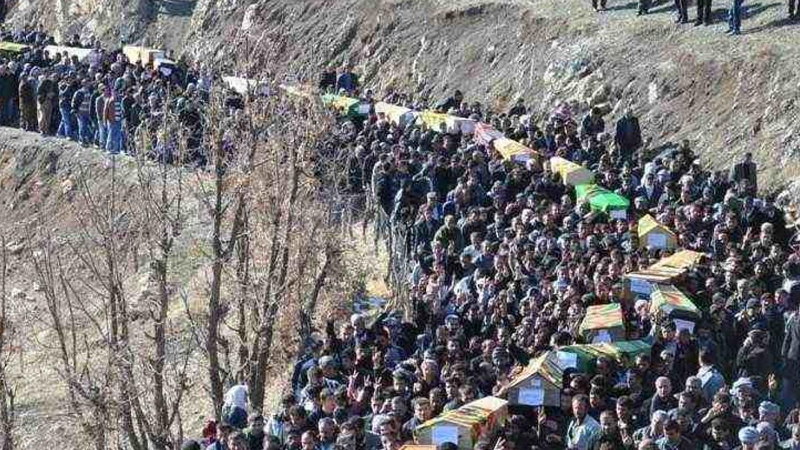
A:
(65, 94)
(593, 124)
(451, 102)
(46, 93)
(327, 79)
(6, 94)
(628, 136)
(27, 104)
(609, 434)
(790, 355)
(662, 400)
(82, 108)
(745, 171)
(385, 190)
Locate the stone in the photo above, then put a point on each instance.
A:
(15, 248)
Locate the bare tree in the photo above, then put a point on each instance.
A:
(270, 186)
(132, 395)
(7, 392)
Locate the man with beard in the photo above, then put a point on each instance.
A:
(583, 430)
(609, 433)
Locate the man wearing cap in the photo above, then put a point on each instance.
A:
(748, 437)
(330, 372)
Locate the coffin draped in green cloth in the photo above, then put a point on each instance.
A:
(348, 106)
(600, 198)
(623, 352)
(13, 47)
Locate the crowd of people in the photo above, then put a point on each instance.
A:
(501, 263)
(100, 100)
(736, 9)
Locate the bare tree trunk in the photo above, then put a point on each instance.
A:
(243, 277)
(214, 312)
(271, 303)
(7, 409)
(311, 303)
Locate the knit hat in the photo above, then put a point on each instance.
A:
(767, 407)
(748, 435)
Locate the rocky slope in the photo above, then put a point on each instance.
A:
(726, 95)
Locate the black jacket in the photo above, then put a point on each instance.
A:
(791, 342)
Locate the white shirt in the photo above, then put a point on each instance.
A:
(237, 396)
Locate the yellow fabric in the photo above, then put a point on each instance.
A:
(647, 224)
(680, 261)
(393, 112)
(510, 148)
(433, 120)
(571, 173)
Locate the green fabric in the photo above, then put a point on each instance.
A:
(12, 47)
(670, 299)
(623, 352)
(346, 105)
(602, 317)
(600, 199)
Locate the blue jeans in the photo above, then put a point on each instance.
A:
(84, 129)
(735, 16)
(65, 127)
(100, 134)
(114, 138)
(236, 417)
